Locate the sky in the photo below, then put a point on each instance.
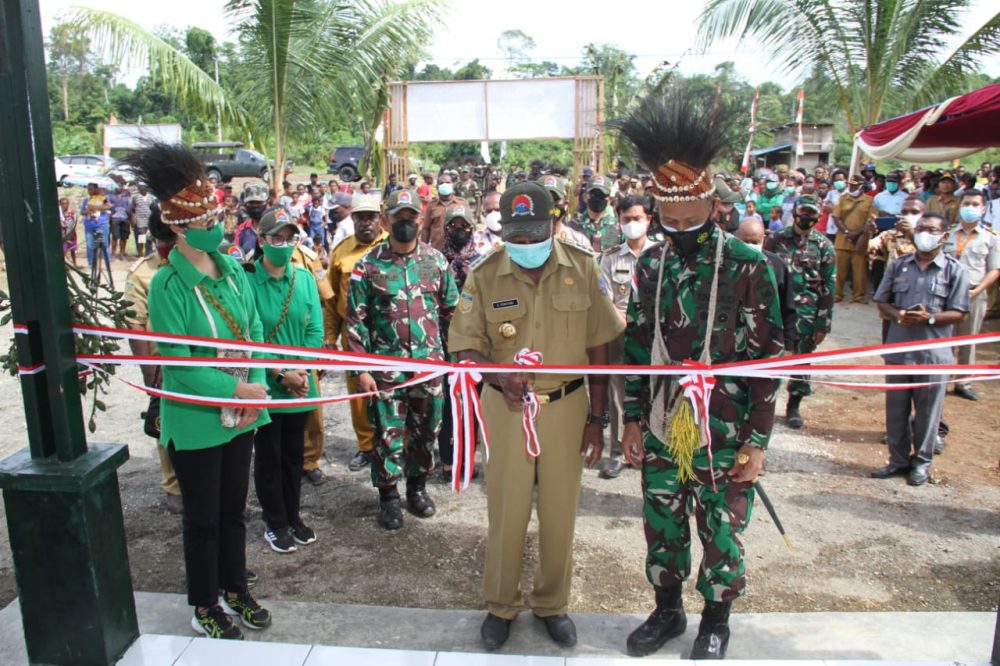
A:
(653, 30)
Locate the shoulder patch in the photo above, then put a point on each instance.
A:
(611, 251)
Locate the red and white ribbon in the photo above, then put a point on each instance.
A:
(527, 357)
(466, 413)
(697, 388)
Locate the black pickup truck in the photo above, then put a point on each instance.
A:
(229, 159)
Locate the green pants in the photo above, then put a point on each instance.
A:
(799, 385)
(415, 413)
(720, 515)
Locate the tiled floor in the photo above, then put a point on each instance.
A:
(157, 650)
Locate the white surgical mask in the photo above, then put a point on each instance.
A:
(911, 219)
(757, 246)
(926, 241)
(635, 230)
(854, 193)
(493, 221)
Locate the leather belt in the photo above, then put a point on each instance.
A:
(545, 398)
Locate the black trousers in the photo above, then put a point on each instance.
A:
(214, 484)
(277, 468)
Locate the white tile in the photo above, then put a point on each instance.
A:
(327, 655)
(213, 652)
(154, 650)
(481, 659)
(624, 661)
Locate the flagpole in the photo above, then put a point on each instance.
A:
(753, 128)
(800, 146)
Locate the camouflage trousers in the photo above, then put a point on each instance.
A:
(721, 516)
(406, 425)
(799, 385)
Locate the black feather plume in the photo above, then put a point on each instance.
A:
(166, 168)
(677, 124)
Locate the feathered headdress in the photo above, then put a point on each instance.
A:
(676, 135)
(177, 178)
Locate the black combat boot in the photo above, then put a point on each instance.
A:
(390, 514)
(666, 622)
(418, 501)
(792, 417)
(713, 632)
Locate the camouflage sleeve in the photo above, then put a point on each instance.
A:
(447, 300)
(358, 307)
(876, 248)
(761, 317)
(828, 279)
(638, 343)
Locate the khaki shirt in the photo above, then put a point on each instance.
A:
(566, 313)
(306, 258)
(949, 208)
(338, 280)
(137, 289)
(979, 253)
(853, 212)
(617, 268)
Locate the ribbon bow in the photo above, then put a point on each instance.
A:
(698, 390)
(531, 404)
(466, 411)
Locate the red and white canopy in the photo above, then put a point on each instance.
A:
(949, 130)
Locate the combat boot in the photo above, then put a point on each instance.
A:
(792, 417)
(390, 514)
(713, 632)
(418, 501)
(666, 622)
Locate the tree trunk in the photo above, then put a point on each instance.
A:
(65, 97)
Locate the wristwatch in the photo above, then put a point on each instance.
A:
(931, 320)
(280, 377)
(602, 421)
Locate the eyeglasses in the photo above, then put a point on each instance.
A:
(281, 241)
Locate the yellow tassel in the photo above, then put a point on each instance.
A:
(684, 440)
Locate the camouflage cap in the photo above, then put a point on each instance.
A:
(274, 220)
(255, 193)
(458, 210)
(807, 201)
(555, 185)
(525, 208)
(403, 200)
(599, 183)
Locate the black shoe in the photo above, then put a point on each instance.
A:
(966, 392)
(303, 534)
(919, 474)
(613, 469)
(252, 614)
(418, 502)
(713, 633)
(888, 471)
(939, 445)
(252, 578)
(390, 513)
(280, 540)
(666, 622)
(175, 504)
(215, 623)
(495, 631)
(315, 476)
(561, 629)
(359, 461)
(792, 417)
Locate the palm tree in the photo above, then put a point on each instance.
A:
(879, 54)
(305, 63)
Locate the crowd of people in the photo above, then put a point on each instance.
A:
(657, 266)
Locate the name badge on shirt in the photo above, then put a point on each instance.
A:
(509, 303)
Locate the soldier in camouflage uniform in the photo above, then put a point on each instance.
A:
(700, 269)
(466, 187)
(401, 297)
(812, 263)
(598, 222)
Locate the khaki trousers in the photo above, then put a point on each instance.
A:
(168, 479)
(854, 264)
(966, 354)
(314, 436)
(359, 408)
(510, 480)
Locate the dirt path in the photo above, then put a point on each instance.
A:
(860, 544)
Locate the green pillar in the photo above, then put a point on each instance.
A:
(63, 508)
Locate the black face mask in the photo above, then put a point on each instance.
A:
(688, 242)
(805, 221)
(254, 211)
(561, 207)
(336, 217)
(597, 204)
(460, 237)
(404, 231)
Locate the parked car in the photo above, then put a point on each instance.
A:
(345, 162)
(82, 166)
(229, 159)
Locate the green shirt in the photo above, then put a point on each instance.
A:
(302, 327)
(174, 307)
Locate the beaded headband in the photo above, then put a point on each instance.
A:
(194, 203)
(676, 181)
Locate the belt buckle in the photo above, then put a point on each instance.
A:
(543, 398)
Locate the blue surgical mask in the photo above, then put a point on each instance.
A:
(891, 187)
(532, 255)
(970, 213)
(789, 191)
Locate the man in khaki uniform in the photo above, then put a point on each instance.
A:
(850, 215)
(945, 202)
(137, 291)
(313, 451)
(367, 234)
(546, 296)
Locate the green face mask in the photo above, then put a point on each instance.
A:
(205, 240)
(279, 256)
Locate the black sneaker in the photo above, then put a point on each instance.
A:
(281, 540)
(360, 460)
(303, 534)
(216, 624)
(252, 614)
(252, 578)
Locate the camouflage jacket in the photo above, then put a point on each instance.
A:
(812, 265)
(604, 233)
(459, 260)
(399, 305)
(747, 327)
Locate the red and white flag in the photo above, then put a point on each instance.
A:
(800, 146)
(357, 274)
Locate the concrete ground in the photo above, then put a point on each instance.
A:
(434, 637)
